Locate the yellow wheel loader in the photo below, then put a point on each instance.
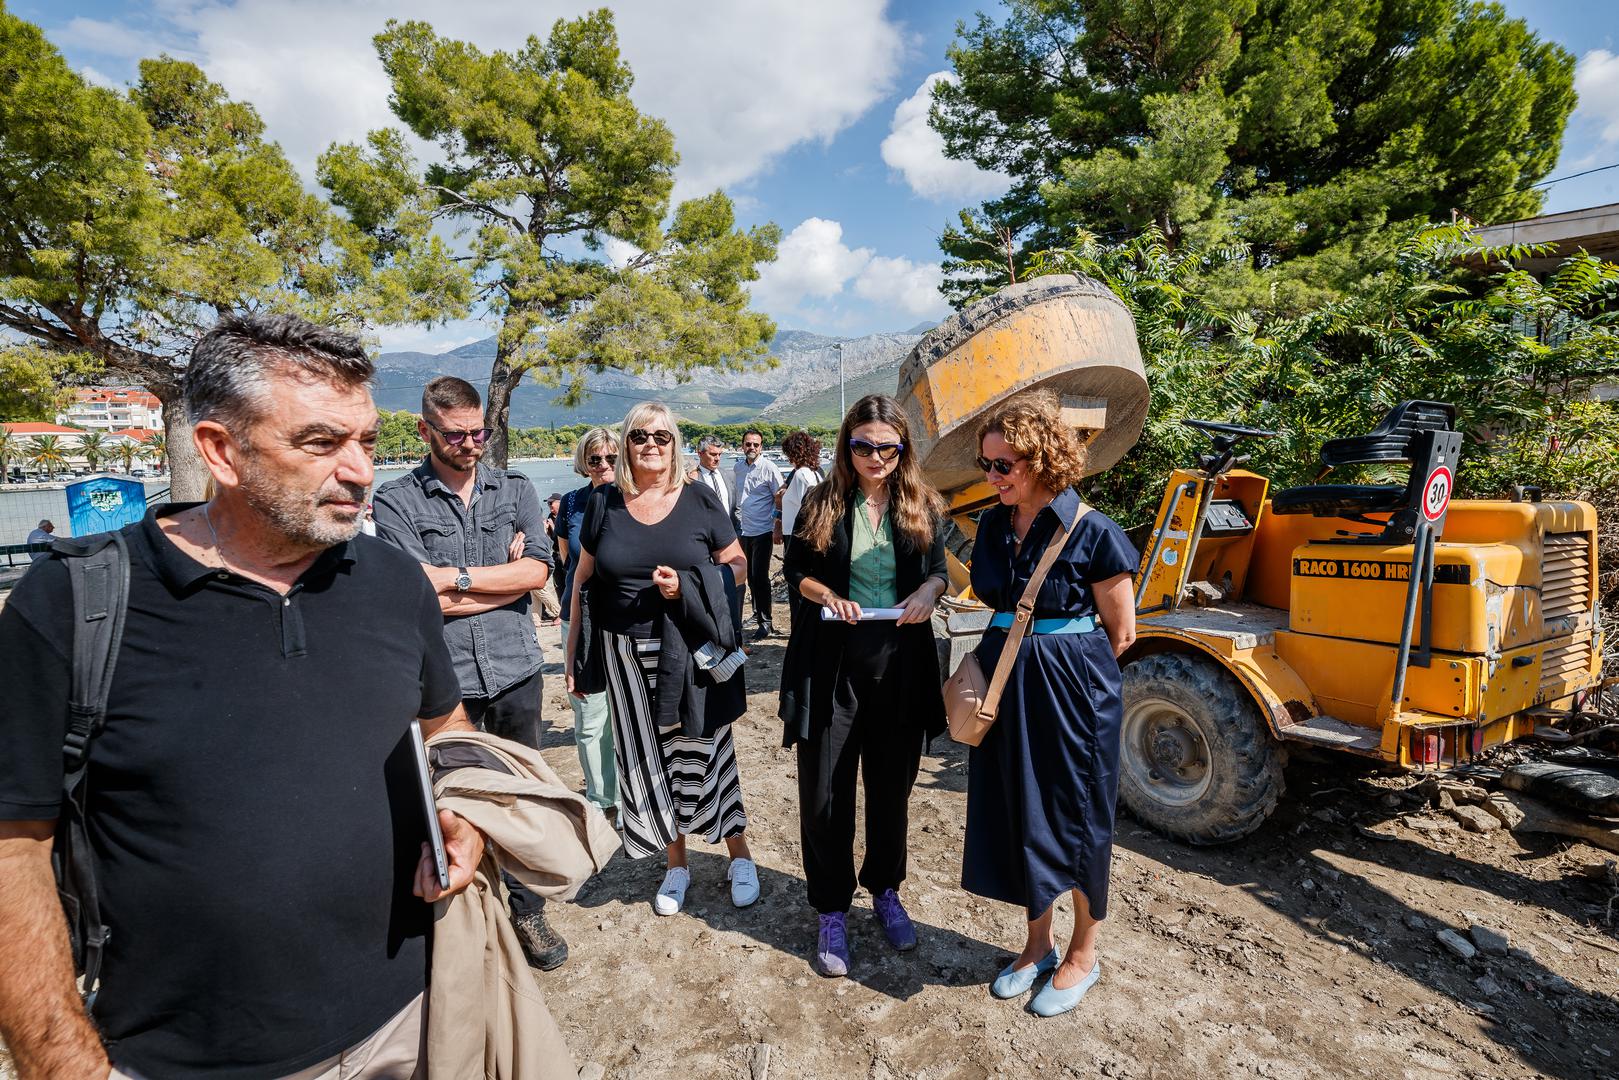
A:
(1383, 620)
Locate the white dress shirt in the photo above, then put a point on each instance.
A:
(720, 484)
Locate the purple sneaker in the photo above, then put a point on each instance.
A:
(897, 925)
(832, 950)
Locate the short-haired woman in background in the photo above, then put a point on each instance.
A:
(595, 458)
(640, 537)
(863, 696)
(803, 453)
(1041, 787)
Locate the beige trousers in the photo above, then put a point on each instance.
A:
(395, 1051)
(544, 603)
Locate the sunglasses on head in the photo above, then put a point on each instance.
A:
(595, 460)
(887, 451)
(456, 438)
(639, 436)
(1000, 465)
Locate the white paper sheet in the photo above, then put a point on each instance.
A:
(881, 614)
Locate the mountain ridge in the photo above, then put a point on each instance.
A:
(793, 389)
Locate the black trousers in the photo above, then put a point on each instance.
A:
(795, 599)
(869, 733)
(759, 549)
(513, 714)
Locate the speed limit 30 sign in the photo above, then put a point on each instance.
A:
(1436, 492)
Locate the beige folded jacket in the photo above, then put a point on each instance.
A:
(486, 1016)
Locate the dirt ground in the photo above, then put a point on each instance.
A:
(1307, 950)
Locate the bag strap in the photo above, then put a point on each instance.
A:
(98, 572)
(1024, 616)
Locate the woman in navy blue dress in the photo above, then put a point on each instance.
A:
(1041, 787)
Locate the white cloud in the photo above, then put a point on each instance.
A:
(815, 273)
(437, 339)
(114, 39)
(1596, 80)
(900, 284)
(812, 261)
(738, 82)
(96, 78)
(916, 151)
(618, 252)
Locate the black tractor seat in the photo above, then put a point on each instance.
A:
(1338, 500)
(1393, 441)
(1390, 440)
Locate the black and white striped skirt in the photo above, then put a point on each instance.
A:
(669, 784)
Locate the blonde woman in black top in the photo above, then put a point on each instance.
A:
(639, 535)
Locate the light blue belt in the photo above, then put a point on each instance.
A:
(1003, 620)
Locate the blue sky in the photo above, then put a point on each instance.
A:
(811, 115)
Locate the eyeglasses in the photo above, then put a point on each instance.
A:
(887, 451)
(456, 438)
(639, 436)
(1000, 464)
(595, 461)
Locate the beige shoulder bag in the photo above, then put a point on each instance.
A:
(969, 704)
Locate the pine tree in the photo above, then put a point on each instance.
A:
(547, 161)
(1298, 127)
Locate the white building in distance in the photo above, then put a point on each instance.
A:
(113, 408)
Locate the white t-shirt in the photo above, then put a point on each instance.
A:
(803, 479)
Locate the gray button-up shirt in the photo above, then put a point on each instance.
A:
(422, 517)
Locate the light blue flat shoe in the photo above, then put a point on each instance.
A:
(1053, 1002)
(1014, 981)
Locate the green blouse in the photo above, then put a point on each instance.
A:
(871, 559)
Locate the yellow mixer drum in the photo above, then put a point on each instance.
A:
(1063, 333)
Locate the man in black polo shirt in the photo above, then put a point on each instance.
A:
(253, 813)
(478, 534)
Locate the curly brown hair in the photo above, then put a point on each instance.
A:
(1033, 426)
(802, 449)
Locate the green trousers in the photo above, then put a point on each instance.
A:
(593, 735)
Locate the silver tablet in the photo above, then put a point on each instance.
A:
(425, 780)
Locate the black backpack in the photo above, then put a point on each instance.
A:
(98, 569)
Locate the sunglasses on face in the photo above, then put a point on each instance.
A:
(456, 438)
(1000, 465)
(640, 436)
(596, 461)
(887, 451)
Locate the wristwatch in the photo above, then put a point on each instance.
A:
(463, 580)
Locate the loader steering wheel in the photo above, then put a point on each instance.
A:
(1233, 432)
(1224, 437)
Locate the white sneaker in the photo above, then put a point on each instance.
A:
(672, 893)
(744, 878)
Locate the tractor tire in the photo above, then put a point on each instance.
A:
(1196, 760)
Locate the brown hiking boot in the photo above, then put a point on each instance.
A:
(542, 945)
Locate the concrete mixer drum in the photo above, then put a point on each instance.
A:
(1061, 332)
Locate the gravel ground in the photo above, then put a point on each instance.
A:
(1310, 949)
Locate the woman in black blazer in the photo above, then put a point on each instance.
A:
(863, 696)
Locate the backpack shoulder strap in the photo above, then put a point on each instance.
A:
(98, 573)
